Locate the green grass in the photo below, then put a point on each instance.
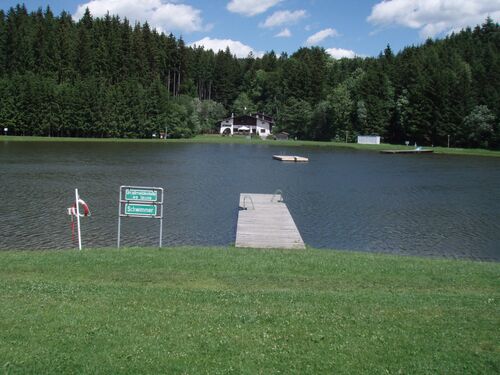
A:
(243, 140)
(245, 311)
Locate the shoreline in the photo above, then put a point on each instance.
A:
(216, 139)
(346, 252)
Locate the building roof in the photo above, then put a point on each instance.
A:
(245, 119)
(263, 116)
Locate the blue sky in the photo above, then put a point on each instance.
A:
(344, 28)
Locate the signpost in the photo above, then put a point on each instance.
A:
(133, 209)
(141, 195)
(141, 202)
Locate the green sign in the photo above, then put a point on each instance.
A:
(141, 195)
(140, 209)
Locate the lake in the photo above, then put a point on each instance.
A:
(430, 205)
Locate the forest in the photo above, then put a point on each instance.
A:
(106, 77)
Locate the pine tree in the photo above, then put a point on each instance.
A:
(3, 40)
(19, 40)
(102, 77)
(123, 54)
(85, 51)
(65, 50)
(377, 94)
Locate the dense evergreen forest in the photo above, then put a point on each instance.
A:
(104, 77)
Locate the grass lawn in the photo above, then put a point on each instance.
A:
(245, 311)
(244, 140)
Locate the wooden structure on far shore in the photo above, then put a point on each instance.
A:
(290, 158)
(265, 222)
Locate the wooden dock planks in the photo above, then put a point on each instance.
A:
(266, 223)
(290, 158)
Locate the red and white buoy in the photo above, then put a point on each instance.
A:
(74, 211)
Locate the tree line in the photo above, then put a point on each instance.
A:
(104, 77)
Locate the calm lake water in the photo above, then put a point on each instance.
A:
(431, 205)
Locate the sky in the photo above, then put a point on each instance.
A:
(345, 28)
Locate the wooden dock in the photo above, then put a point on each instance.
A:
(290, 158)
(265, 222)
(415, 151)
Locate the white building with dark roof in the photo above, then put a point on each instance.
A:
(256, 123)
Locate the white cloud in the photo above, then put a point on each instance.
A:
(321, 35)
(162, 15)
(285, 33)
(433, 17)
(251, 8)
(283, 17)
(237, 48)
(338, 53)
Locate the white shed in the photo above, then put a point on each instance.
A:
(369, 139)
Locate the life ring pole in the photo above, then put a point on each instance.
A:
(77, 198)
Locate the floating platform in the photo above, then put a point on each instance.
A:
(290, 158)
(415, 151)
(265, 222)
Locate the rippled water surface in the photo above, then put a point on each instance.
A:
(431, 205)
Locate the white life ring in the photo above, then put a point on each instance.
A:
(86, 210)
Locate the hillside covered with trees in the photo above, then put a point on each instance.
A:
(104, 77)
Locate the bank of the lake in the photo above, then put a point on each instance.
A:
(227, 310)
(245, 140)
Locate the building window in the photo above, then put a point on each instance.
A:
(262, 130)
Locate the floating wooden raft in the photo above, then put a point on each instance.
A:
(406, 151)
(290, 158)
(265, 222)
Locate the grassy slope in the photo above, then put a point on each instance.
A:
(243, 140)
(216, 310)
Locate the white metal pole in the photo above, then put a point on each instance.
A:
(78, 219)
(161, 230)
(161, 221)
(119, 218)
(118, 245)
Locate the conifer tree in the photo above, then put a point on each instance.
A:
(103, 77)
